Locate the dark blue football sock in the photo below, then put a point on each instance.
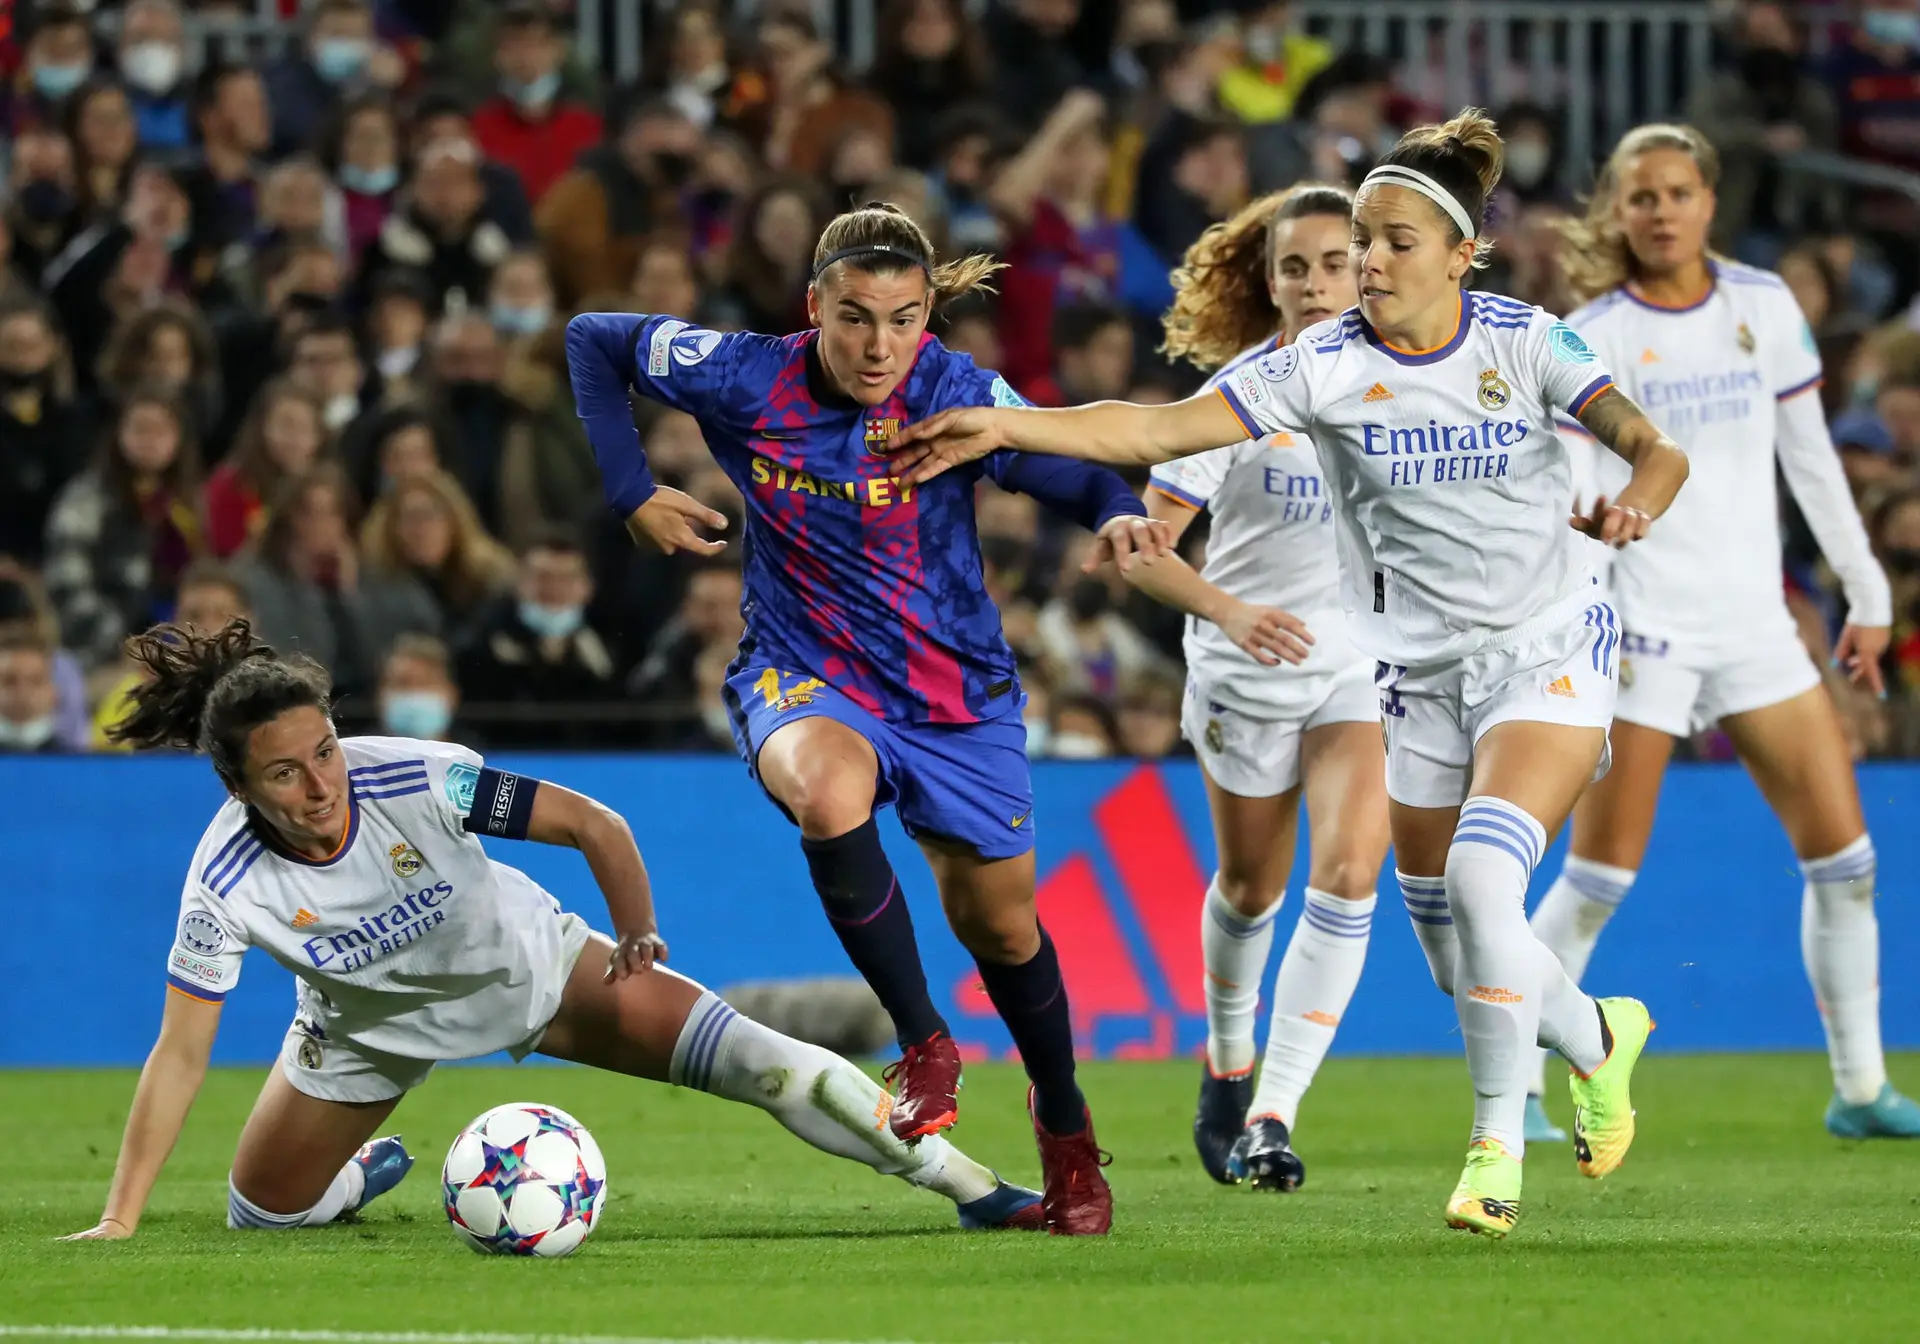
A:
(868, 911)
(1031, 999)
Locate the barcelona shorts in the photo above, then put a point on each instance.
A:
(961, 782)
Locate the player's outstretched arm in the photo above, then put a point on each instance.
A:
(1267, 634)
(563, 817)
(1118, 432)
(169, 1083)
(1659, 469)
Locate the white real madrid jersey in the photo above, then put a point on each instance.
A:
(1271, 544)
(410, 938)
(1713, 376)
(1449, 481)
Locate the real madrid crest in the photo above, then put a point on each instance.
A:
(1626, 674)
(1745, 339)
(1216, 738)
(309, 1054)
(406, 860)
(1494, 392)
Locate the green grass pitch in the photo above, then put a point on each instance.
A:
(1735, 1219)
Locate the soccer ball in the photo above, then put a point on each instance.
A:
(524, 1179)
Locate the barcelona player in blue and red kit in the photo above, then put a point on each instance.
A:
(873, 670)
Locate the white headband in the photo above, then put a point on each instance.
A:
(1392, 175)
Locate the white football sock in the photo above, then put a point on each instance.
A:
(342, 1196)
(1569, 920)
(1840, 940)
(1426, 902)
(1497, 987)
(1310, 996)
(1234, 949)
(817, 1095)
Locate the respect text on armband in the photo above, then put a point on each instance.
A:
(1437, 454)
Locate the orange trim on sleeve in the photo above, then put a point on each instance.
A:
(1168, 494)
(1588, 400)
(175, 989)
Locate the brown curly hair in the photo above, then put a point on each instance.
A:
(1222, 301)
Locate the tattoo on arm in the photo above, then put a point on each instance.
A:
(1607, 415)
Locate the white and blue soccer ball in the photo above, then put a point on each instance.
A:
(524, 1179)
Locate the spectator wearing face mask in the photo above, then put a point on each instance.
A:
(536, 647)
(691, 66)
(1533, 170)
(43, 213)
(28, 726)
(323, 360)
(1081, 728)
(520, 297)
(1764, 107)
(27, 614)
(59, 59)
(361, 149)
(595, 220)
(40, 424)
(529, 124)
(152, 57)
(417, 695)
(339, 59)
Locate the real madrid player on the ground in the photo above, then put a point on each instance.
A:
(1719, 354)
(1279, 703)
(357, 864)
(1431, 411)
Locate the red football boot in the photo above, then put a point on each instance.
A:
(1078, 1201)
(926, 1083)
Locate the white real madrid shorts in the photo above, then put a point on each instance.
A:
(1677, 687)
(1434, 716)
(1254, 757)
(324, 1065)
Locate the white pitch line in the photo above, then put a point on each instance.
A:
(174, 1332)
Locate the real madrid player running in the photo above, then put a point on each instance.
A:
(1431, 411)
(1279, 704)
(874, 670)
(1719, 354)
(357, 865)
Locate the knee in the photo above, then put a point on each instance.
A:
(826, 797)
(1006, 935)
(1247, 889)
(1345, 876)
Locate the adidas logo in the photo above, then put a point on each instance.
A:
(1378, 392)
(1563, 686)
(304, 918)
(1648, 357)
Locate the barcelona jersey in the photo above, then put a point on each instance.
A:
(873, 586)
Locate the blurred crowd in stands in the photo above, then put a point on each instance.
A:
(282, 334)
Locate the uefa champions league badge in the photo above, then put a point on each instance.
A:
(462, 779)
(202, 934)
(1567, 346)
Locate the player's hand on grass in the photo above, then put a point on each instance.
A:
(1858, 652)
(1614, 523)
(925, 449)
(668, 521)
(107, 1229)
(635, 954)
(1130, 537)
(1271, 636)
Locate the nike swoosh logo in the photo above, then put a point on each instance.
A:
(779, 438)
(1020, 820)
